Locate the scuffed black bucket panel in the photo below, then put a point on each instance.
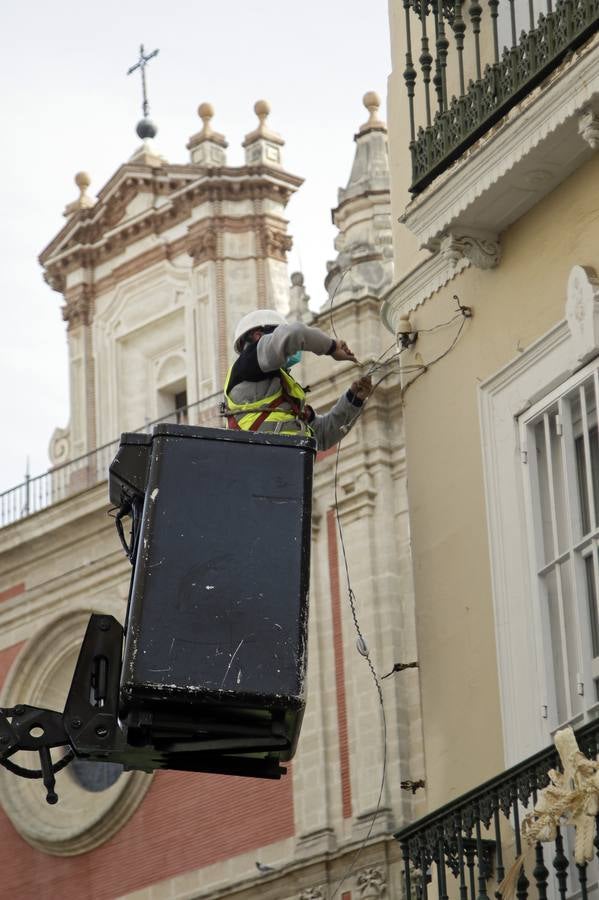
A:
(219, 598)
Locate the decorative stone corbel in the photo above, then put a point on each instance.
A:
(371, 884)
(312, 893)
(582, 310)
(588, 128)
(483, 250)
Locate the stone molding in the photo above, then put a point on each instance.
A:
(416, 287)
(94, 236)
(79, 306)
(323, 840)
(272, 240)
(355, 502)
(84, 820)
(515, 156)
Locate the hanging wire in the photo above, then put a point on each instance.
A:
(464, 313)
(361, 646)
(332, 300)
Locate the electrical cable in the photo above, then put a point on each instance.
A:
(332, 300)
(362, 647)
(464, 313)
(421, 368)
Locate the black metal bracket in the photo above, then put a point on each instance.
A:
(31, 728)
(91, 727)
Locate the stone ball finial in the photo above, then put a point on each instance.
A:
(262, 110)
(206, 112)
(83, 201)
(83, 181)
(372, 102)
(297, 279)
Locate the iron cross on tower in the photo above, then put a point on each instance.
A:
(141, 64)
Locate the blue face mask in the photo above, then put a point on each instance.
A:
(293, 360)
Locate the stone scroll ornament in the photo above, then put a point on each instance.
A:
(571, 798)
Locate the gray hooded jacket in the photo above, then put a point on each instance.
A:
(255, 375)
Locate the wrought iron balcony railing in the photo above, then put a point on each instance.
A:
(61, 482)
(460, 82)
(463, 850)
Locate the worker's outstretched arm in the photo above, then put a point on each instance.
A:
(274, 349)
(330, 427)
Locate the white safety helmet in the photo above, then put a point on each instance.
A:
(259, 318)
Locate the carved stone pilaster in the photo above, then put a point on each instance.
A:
(588, 128)
(483, 251)
(79, 306)
(371, 884)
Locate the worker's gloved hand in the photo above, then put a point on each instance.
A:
(362, 387)
(342, 353)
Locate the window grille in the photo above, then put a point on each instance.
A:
(560, 451)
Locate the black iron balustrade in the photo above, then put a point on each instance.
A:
(444, 36)
(64, 480)
(464, 849)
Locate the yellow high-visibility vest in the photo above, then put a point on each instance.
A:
(265, 415)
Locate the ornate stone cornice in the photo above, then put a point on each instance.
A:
(95, 236)
(79, 306)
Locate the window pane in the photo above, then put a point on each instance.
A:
(543, 493)
(557, 647)
(592, 604)
(563, 623)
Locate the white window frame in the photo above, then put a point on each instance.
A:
(569, 550)
(504, 399)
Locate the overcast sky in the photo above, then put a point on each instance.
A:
(67, 105)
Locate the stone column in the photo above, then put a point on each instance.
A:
(78, 313)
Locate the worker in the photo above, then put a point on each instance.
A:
(261, 395)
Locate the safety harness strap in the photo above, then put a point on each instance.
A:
(233, 423)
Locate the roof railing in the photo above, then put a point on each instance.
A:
(62, 481)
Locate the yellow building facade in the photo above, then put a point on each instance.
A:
(493, 136)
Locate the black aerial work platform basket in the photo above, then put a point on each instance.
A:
(212, 674)
(215, 646)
